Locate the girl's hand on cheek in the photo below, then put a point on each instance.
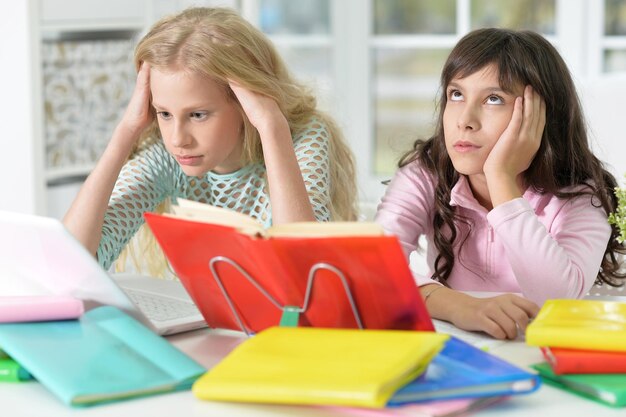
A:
(137, 116)
(262, 111)
(519, 142)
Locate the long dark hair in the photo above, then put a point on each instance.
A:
(564, 158)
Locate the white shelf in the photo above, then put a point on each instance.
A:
(58, 174)
(68, 12)
(92, 26)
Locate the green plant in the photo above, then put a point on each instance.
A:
(618, 218)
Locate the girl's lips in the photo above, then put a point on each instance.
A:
(188, 159)
(462, 146)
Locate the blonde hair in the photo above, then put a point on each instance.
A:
(219, 44)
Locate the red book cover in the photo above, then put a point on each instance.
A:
(377, 277)
(575, 361)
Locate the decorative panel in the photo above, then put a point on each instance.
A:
(87, 84)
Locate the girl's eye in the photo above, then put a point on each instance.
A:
(164, 115)
(198, 115)
(493, 99)
(455, 95)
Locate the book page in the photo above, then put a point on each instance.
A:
(478, 339)
(193, 210)
(325, 229)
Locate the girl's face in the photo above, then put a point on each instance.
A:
(476, 113)
(201, 126)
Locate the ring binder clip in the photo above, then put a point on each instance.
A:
(290, 313)
(309, 288)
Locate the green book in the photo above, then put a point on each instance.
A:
(608, 389)
(11, 371)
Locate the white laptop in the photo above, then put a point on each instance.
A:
(39, 256)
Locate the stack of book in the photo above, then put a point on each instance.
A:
(17, 309)
(584, 345)
(390, 371)
(100, 356)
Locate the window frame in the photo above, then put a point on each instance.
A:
(579, 36)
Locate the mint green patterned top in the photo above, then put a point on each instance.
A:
(153, 174)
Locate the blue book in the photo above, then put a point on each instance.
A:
(461, 370)
(104, 356)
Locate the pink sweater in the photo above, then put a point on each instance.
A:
(538, 245)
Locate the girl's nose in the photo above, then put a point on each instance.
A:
(180, 137)
(468, 119)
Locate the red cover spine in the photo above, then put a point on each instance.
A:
(574, 361)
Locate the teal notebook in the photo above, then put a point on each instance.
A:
(104, 356)
(605, 388)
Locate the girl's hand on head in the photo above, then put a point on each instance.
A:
(138, 116)
(519, 142)
(502, 316)
(262, 111)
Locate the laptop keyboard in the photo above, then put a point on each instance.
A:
(159, 308)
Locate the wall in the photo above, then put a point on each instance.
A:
(21, 185)
(604, 102)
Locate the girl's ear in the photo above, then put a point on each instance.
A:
(231, 94)
(229, 91)
(151, 108)
(153, 115)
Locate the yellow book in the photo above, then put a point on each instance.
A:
(310, 365)
(579, 324)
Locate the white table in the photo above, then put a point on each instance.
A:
(209, 346)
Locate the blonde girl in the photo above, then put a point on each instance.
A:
(215, 117)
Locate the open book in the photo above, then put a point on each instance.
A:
(193, 210)
(244, 277)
